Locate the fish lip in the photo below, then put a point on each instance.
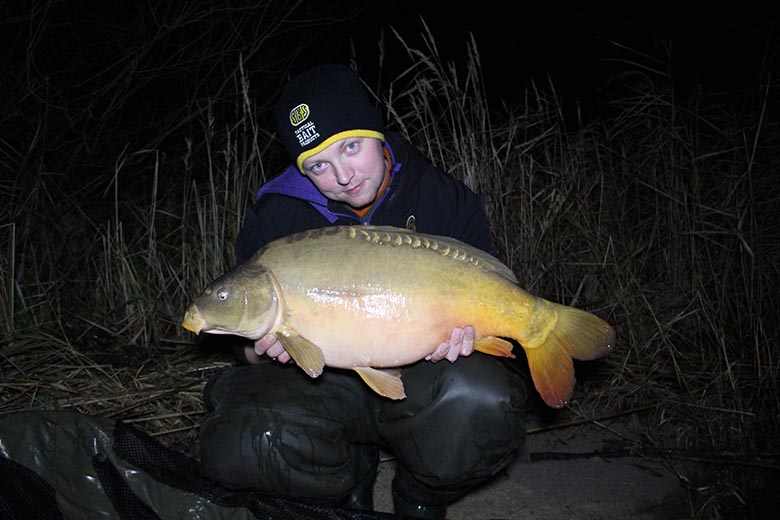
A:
(193, 320)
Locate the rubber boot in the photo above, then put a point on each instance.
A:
(362, 496)
(409, 510)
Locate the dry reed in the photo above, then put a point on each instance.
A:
(655, 215)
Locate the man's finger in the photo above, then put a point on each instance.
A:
(275, 350)
(467, 345)
(453, 353)
(267, 340)
(456, 338)
(440, 352)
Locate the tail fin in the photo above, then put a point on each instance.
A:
(577, 334)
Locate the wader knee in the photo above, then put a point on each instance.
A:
(271, 430)
(461, 424)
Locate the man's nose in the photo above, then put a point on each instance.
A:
(343, 173)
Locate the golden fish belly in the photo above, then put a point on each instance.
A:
(396, 326)
(349, 336)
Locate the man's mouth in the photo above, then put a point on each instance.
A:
(354, 190)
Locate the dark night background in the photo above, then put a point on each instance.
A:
(649, 183)
(580, 47)
(110, 76)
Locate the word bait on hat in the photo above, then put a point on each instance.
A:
(321, 106)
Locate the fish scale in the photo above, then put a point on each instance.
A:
(376, 298)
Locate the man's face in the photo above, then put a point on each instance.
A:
(350, 170)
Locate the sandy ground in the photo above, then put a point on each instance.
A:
(562, 476)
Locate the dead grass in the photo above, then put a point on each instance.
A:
(658, 216)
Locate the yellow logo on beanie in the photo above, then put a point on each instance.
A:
(299, 114)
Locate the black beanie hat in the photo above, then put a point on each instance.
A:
(321, 106)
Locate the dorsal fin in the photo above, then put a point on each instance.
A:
(446, 246)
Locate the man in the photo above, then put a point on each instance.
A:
(274, 429)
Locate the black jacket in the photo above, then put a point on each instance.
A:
(418, 194)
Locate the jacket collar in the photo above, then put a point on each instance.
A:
(292, 183)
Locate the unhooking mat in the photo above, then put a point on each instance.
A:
(66, 465)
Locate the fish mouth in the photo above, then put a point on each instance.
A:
(193, 320)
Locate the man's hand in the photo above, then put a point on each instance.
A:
(461, 343)
(268, 345)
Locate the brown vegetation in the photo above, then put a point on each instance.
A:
(657, 214)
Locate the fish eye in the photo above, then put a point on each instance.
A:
(222, 294)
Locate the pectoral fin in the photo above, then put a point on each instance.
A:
(494, 346)
(385, 382)
(306, 354)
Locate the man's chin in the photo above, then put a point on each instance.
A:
(356, 203)
(357, 209)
